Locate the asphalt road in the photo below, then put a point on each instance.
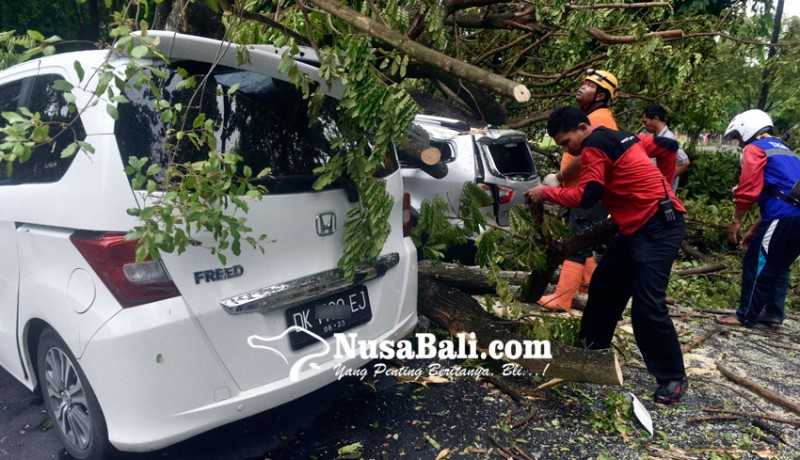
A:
(389, 417)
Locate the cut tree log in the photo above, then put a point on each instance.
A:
(416, 146)
(458, 312)
(468, 278)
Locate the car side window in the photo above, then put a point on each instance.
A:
(46, 164)
(9, 96)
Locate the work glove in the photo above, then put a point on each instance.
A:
(551, 181)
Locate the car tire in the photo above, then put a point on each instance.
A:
(71, 403)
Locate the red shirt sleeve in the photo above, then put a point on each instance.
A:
(751, 181)
(594, 165)
(666, 159)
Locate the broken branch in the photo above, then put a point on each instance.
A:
(423, 54)
(766, 393)
(711, 268)
(750, 414)
(608, 39)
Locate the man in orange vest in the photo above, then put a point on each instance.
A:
(597, 90)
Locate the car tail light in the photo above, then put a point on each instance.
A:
(504, 194)
(406, 214)
(113, 260)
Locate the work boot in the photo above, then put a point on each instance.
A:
(671, 392)
(568, 283)
(586, 278)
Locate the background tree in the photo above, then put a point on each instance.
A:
(496, 61)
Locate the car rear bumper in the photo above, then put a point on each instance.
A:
(159, 380)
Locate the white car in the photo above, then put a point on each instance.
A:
(497, 160)
(140, 356)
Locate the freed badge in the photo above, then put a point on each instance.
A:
(218, 274)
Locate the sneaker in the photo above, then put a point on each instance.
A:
(671, 392)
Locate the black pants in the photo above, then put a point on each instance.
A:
(638, 266)
(765, 272)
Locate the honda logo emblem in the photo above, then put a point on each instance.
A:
(326, 224)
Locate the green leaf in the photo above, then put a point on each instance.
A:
(86, 146)
(62, 85)
(69, 150)
(153, 169)
(139, 51)
(351, 450)
(13, 117)
(36, 35)
(112, 111)
(78, 69)
(433, 442)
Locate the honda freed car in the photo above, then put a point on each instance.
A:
(497, 160)
(140, 356)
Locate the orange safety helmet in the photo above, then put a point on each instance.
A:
(605, 80)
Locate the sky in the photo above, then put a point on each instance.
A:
(791, 8)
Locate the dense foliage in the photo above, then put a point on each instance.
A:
(702, 59)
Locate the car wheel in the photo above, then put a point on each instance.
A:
(70, 401)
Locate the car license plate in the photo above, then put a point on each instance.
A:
(328, 315)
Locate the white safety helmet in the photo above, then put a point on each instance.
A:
(747, 125)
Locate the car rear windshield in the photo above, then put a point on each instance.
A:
(511, 158)
(265, 120)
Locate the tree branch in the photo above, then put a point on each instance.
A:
(511, 21)
(455, 5)
(529, 120)
(766, 393)
(577, 68)
(260, 18)
(604, 37)
(425, 55)
(558, 250)
(752, 415)
(701, 270)
(598, 6)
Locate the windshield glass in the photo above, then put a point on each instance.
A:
(265, 120)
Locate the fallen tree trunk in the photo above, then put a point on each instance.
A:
(416, 146)
(468, 278)
(459, 312)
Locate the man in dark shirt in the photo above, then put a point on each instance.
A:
(617, 171)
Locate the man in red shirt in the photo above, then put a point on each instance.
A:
(616, 170)
(599, 87)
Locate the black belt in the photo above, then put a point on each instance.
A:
(783, 196)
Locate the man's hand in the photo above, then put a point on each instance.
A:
(733, 232)
(749, 235)
(533, 196)
(551, 180)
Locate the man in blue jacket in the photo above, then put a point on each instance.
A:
(770, 174)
